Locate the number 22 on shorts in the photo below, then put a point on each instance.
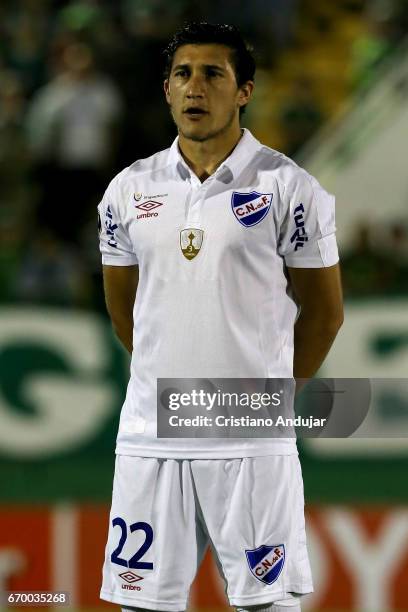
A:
(134, 562)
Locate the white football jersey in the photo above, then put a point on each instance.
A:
(213, 299)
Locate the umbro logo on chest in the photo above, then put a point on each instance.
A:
(147, 209)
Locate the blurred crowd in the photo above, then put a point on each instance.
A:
(81, 97)
(376, 264)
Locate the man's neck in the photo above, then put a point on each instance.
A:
(205, 157)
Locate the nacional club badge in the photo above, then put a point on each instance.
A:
(191, 240)
(266, 562)
(250, 208)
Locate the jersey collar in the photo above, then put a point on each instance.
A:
(246, 148)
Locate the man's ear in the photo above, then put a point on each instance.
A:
(245, 93)
(166, 87)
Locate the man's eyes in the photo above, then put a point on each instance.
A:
(213, 73)
(208, 73)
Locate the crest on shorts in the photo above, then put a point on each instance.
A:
(250, 208)
(266, 562)
(191, 240)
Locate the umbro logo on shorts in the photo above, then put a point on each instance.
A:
(250, 208)
(130, 577)
(266, 562)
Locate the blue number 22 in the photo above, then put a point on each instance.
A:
(133, 562)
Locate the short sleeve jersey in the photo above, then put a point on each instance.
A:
(213, 298)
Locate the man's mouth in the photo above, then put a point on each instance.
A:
(194, 111)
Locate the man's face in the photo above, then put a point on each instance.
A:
(202, 91)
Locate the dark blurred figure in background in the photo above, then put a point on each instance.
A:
(398, 253)
(73, 125)
(14, 154)
(271, 23)
(50, 272)
(146, 25)
(368, 270)
(300, 115)
(15, 198)
(26, 29)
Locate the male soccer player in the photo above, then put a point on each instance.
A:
(230, 247)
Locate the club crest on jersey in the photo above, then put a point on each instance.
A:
(191, 240)
(250, 208)
(266, 562)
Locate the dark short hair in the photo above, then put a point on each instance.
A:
(202, 33)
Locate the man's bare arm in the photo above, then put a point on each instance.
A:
(120, 285)
(319, 295)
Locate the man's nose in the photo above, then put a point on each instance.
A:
(196, 87)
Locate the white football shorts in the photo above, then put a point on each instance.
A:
(165, 512)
